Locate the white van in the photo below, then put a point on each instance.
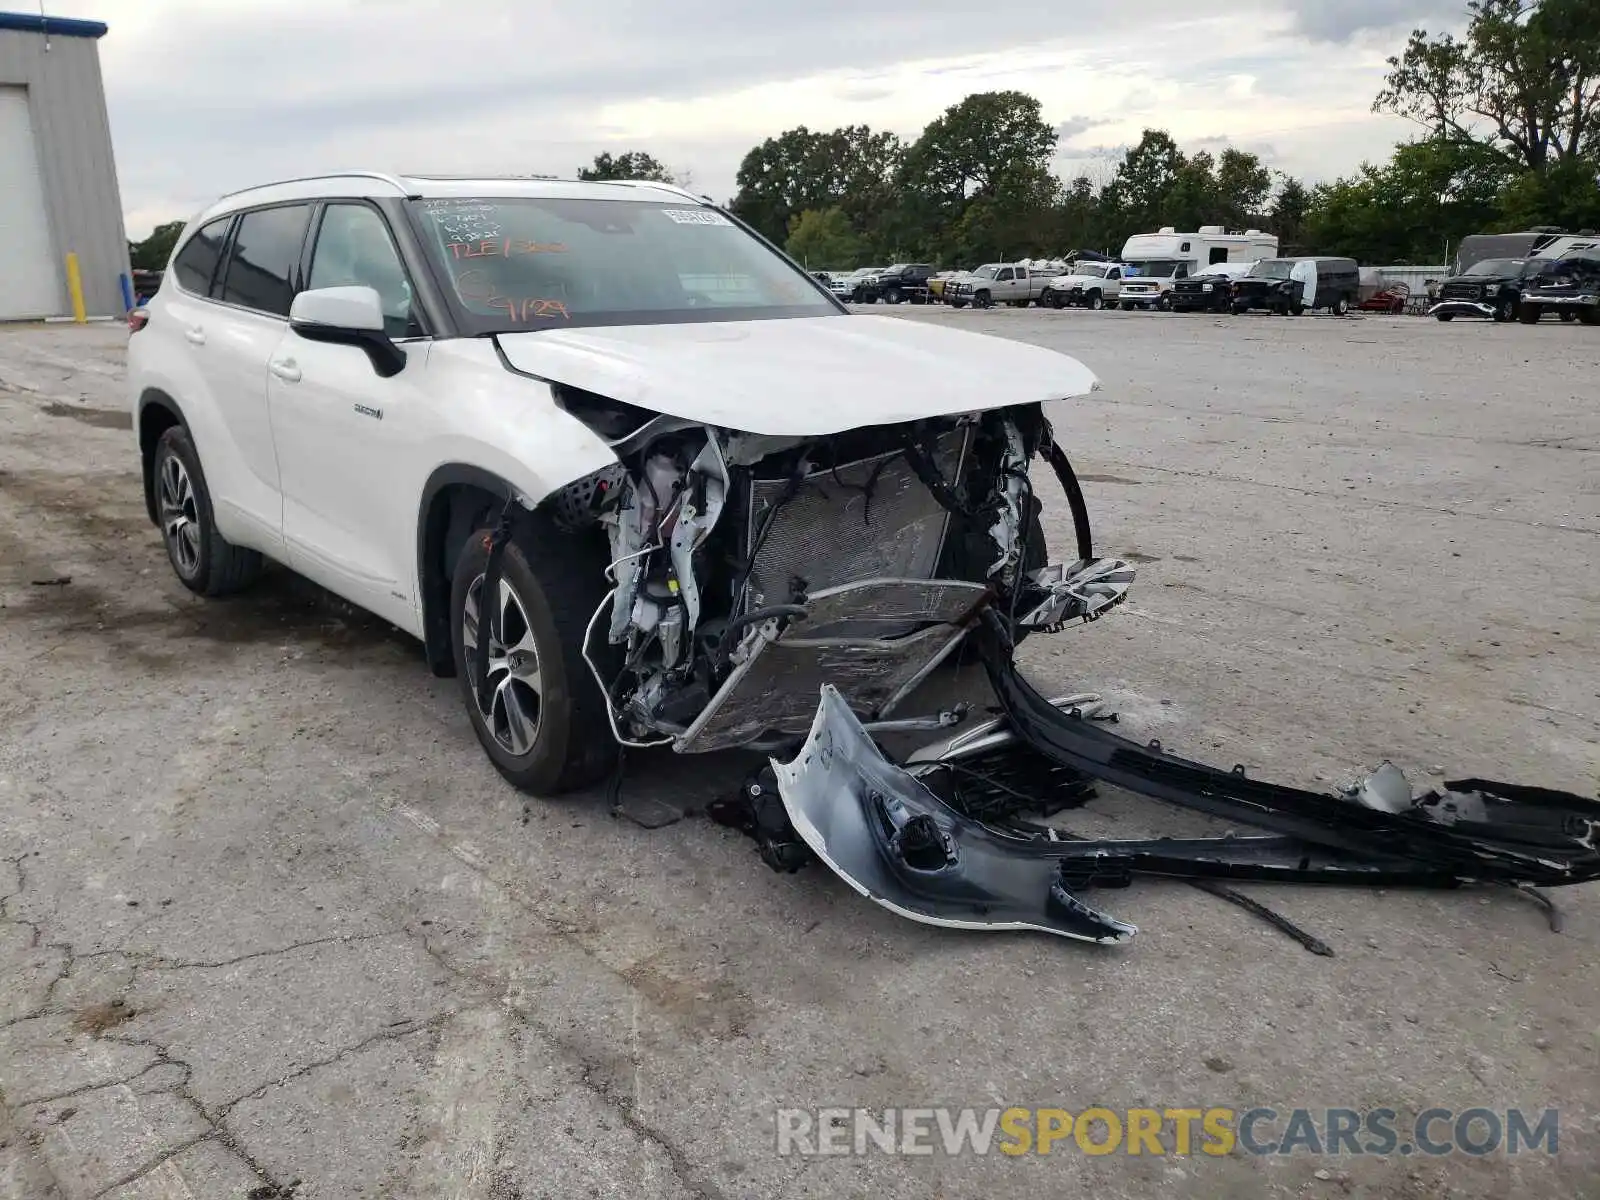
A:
(1162, 258)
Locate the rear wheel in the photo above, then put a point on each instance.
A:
(204, 561)
(1529, 314)
(1341, 306)
(541, 718)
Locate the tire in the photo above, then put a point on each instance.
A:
(1446, 317)
(1094, 303)
(205, 562)
(958, 304)
(1297, 310)
(1164, 304)
(1589, 316)
(1341, 306)
(546, 610)
(982, 300)
(892, 296)
(1126, 307)
(1053, 299)
(1529, 314)
(1505, 310)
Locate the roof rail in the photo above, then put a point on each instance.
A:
(665, 187)
(383, 176)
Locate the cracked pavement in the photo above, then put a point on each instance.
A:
(271, 927)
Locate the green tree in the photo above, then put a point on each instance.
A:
(1429, 195)
(1523, 80)
(1287, 217)
(1139, 190)
(823, 238)
(152, 253)
(633, 164)
(851, 168)
(1243, 184)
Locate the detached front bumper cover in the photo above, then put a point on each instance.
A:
(883, 830)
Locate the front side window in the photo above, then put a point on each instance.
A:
(549, 262)
(196, 263)
(354, 249)
(262, 271)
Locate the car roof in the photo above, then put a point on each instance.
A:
(378, 184)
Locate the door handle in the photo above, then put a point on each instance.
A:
(195, 334)
(285, 369)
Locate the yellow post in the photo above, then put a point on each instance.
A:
(75, 287)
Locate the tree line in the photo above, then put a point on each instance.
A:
(1508, 118)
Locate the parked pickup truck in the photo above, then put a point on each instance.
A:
(997, 283)
(1090, 284)
(1569, 286)
(902, 281)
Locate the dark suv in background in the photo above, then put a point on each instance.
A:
(903, 281)
(1491, 288)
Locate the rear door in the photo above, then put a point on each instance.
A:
(344, 434)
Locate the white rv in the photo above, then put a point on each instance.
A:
(1162, 258)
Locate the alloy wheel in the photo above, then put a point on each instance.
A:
(515, 689)
(180, 516)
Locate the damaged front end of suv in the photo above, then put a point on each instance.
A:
(749, 570)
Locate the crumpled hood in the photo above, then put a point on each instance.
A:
(806, 375)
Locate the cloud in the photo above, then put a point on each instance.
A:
(262, 89)
(1073, 127)
(1341, 20)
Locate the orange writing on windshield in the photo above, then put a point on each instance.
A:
(474, 288)
(502, 248)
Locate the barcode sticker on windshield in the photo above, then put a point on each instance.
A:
(695, 216)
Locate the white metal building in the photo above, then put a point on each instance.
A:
(58, 181)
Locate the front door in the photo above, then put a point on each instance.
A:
(1306, 274)
(343, 432)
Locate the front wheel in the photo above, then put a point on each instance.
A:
(1164, 304)
(1341, 306)
(893, 296)
(540, 717)
(205, 562)
(1529, 314)
(1589, 316)
(982, 300)
(1094, 303)
(1126, 307)
(1446, 317)
(1505, 310)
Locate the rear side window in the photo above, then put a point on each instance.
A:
(197, 261)
(263, 268)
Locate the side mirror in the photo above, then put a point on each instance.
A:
(348, 316)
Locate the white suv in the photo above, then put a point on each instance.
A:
(630, 473)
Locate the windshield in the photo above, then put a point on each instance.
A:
(1157, 268)
(986, 272)
(541, 262)
(1271, 269)
(1093, 270)
(1498, 266)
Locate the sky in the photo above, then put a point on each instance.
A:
(207, 96)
